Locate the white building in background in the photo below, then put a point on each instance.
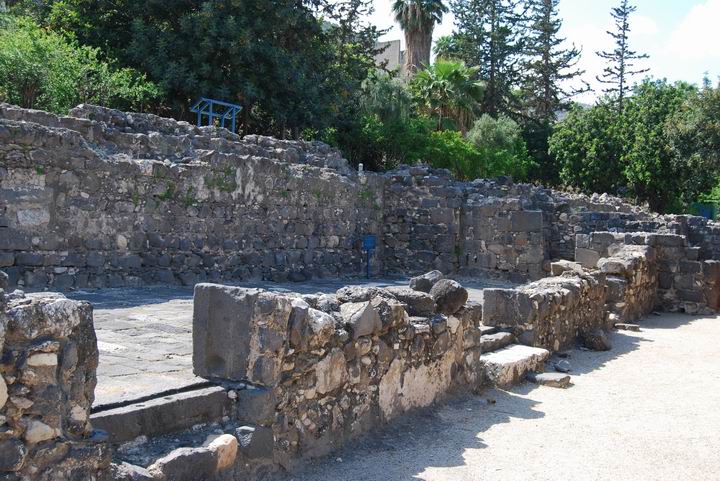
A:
(393, 55)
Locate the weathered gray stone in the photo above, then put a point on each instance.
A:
(563, 365)
(309, 328)
(255, 442)
(331, 372)
(509, 365)
(12, 455)
(163, 415)
(185, 464)
(552, 379)
(426, 281)
(128, 472)
(418, 303)
(596, 340)
(361, 318)
(449, 296)
(238, 334)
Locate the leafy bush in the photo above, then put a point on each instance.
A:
(502, 147)
(43, 70)
(448, 149)
(588, 147)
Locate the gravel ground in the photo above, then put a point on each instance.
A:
(647, 410)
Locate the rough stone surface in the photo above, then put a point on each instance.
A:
(508, 366)
(426, 281)
(596, 340)
(552, 379)
(449, 296)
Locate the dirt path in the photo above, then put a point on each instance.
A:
(648, 410)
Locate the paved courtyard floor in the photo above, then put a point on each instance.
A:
(649, 410)
(145, 334)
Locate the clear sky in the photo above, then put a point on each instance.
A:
(682, 37)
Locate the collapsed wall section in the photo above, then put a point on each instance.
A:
(47, 382)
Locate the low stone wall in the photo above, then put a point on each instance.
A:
(550, 313)
(337, 366)
(632, 281)
(49, 358)
(684, 282)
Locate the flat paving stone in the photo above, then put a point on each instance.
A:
(145, 334)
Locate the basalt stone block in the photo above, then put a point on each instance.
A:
(587, 257)
(239, 334)
(361, 318)
(418, 303)
(498, 306)
(426, 281)
(449, 296)
(526, 221)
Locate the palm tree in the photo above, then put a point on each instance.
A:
(417, 18)
(447, 91)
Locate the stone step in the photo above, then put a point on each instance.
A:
(165, 414)
(509, 365)
(493, 342)
(487, 329)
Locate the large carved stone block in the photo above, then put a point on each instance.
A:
(239, 334)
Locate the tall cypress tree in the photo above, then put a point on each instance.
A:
(621, 60)
(490, 36)
(548, 70)
(548, 67)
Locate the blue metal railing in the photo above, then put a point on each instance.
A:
(216, 109)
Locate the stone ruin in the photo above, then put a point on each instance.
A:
(108, 199)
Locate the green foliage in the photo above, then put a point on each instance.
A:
(501, 147)
(653, 172)
(44, 70)
(490, 34)
(449, 150)
(694, 136)
(646, 151)
(291, 64)
(447, 92)
(588, 147)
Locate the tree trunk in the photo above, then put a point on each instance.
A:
(417, 51)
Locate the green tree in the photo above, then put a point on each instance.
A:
(43, 70)
(694, 136)
(291, 64)
(490, 35)
(501, 146)
(549, 72)
(548, 68)
(447, 149)
(653, 170)
(621, 60)
(447, 92)
(588, 148)
(417, 18)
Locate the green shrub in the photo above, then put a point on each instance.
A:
(501, 146)
(44, 70)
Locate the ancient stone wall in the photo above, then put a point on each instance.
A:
(96, 204)
(108, 199)
(550, 313)
(684, 282)
(338, 365)
(47, 382)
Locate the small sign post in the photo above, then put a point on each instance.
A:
(369, 245)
